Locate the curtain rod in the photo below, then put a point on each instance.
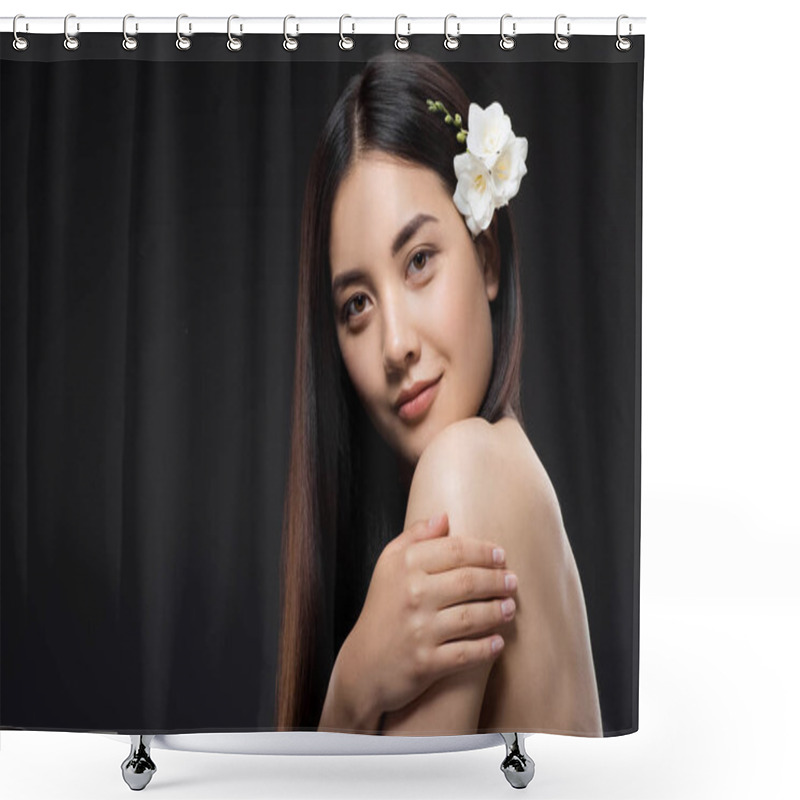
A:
(297, 25)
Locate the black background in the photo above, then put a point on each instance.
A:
(149, 213)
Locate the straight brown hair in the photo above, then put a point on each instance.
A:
(343, 500)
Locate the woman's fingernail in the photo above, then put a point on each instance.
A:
(499, 555)
(508, 606)
(497, 644)
(511, 581)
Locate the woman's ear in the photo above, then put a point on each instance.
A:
(489, 251)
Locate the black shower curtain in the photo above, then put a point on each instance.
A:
(150, 206)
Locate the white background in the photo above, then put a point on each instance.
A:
(720, 604)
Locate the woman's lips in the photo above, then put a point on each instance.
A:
(418, 405)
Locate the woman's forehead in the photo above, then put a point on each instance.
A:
(385, 186)
(377, 200)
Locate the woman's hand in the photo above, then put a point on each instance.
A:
(432, 609)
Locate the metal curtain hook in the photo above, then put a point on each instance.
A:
(288, 42)
(20, 42)
(400, 42)
(70, 42)
(451, 42)
(622, 43)
(182, 42)
(560, 42)
(233, 43)
(507, 42)
(345, 42)
(129, 42)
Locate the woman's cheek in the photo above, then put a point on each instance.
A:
(452, 310)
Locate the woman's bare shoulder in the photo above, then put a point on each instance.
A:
(488, 478)
(491, 483)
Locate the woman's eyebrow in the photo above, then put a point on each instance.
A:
(407, 231)
(346, 278)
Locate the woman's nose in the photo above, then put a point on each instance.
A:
(401, 342)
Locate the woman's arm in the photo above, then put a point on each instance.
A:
(418, 624)
(544, 676)
(449, 476)
(346, 709)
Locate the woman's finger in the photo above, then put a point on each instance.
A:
(438, 555)
(464, 653)
(472, 619)
(469, 583)
(427, 528)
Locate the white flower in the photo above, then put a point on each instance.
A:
(474, 195)
(488, 132)
(489, 173)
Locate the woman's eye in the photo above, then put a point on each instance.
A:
(353, 301)
(426, 253)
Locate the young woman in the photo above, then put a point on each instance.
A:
(406, 405)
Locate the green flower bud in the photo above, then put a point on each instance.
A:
(458, 120)
(448, 119)
(461, 136)
(440, 106)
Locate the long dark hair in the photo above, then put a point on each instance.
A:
(343, 500)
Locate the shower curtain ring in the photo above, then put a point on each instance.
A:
(400, 42)
(561, 43)
(288, 42)
(20, 42)
(129, 42)
(622, 43)
(507, 42)
(233, 43)
(70, 42)
(451, 42)
(182, 42)
(345, 42)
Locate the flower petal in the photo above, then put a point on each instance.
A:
(509, 169)
(488, 132)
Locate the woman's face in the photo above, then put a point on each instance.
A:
(416, 308)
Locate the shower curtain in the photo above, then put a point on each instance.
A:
(205, 464)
